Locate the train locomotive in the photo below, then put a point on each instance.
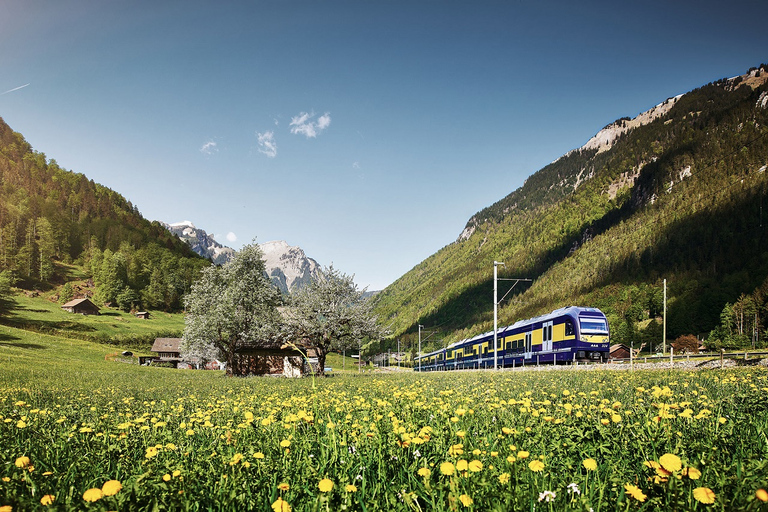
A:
(569, 334)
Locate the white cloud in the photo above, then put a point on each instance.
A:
(355, 165)
(231, 237)
(303, 124)
(209, 148)
(267, 144)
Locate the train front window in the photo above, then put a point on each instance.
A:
(593, 325)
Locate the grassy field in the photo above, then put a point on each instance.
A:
(112, 326)
(80, 433)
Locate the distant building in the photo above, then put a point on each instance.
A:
(143, 314)
(274, 359)
(167, 350)
(620, 351)
(81, 307)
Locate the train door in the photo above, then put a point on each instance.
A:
(528, 345)
(546, 332)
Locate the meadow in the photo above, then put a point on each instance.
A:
(81, 433)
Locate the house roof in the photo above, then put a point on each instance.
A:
(75, 302)
(166, 345)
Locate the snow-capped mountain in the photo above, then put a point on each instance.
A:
(201, 242)
(288, 266)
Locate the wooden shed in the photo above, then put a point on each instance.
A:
(81, 307)
(143, 314)
(619, 351)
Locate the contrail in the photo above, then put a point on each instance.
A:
(14, 89)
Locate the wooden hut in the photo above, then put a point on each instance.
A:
(143, 314)
(81, 307)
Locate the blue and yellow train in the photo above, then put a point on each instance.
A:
(565, 335)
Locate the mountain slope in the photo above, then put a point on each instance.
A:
(201, 242)
(676, 193)
(288, 266)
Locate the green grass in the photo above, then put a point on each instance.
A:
(196, 440)
(40, 314)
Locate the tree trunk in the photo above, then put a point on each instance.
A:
(321, 352)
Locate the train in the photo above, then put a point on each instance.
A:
(569, 334)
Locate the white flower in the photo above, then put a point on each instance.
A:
(573, 488)
(547, 496)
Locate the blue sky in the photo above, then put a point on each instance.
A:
(365, 132)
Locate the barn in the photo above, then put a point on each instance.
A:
(274, 359)
(81, 307)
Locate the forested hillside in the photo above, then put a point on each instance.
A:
(51, 218)
(681, 198)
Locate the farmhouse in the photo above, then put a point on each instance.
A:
(167, 350)
(81, 307)
(274, 359)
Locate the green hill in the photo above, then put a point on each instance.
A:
(61, 231)
(679, 196)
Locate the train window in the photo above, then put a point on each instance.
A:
(593, 325)
(568, 328)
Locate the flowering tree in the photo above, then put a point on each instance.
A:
(230, 306)
(331, 313)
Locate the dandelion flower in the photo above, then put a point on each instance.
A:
(465, 500)
(285, 443)
(47, 499)
(762, 495)
(166, 477)
(536, 466)
(522, 454)
(425, 472)
(704, 495)
(447, 468)
(692, 473)
(589, 464)
(258, 455)
(6, 508)
(635, 492)
(22, 462)
(670, 462)
(93, 494)
(283, 486)
(325, 485)
(475, 466)
(350, 488)
(462, 465)
(504, 478)
(111, 487)
(281, 505)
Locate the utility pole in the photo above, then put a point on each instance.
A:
(420, 326)
(496, 303)
(399, 356)
(496, 314)
(664, 333)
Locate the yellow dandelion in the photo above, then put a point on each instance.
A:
(283, 486)
(258, 455)
(522, 454)
(350, 488)
(462, 465)
(704, 495)
(475, 466)
(670, 462)
(285, 443)
(425, 472)
(504, 478)
(47, 499)
(166, 477)
(176, 473)
(635, 492)
(589, 464)
(22, 462)
(762, 495)
(93, 494)
(6, 508)
(325, 485)
(111, 487)
(536, 466)
(465, 500)
(150, 452)
(692, 473)
(281, 505)
(447, 468)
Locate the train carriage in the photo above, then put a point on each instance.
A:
(565, 335)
